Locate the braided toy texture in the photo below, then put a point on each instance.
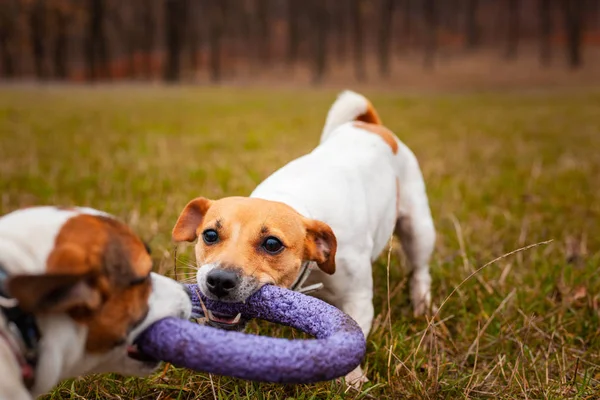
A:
(339, 345)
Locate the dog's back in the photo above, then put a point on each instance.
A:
(349, 181)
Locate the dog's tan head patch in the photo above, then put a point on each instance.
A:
(98, 273)
(264, 239)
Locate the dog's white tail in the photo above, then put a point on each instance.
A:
(349, 106)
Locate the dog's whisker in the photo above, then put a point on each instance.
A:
(187, 280)
(182, 260)
(186, 264)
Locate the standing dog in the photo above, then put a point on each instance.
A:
(337, 207)
(75, 291)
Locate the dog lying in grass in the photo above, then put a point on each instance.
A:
(75, 291)
(336, 207)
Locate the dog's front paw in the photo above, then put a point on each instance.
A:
(356, 378)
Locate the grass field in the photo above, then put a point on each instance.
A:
(504, 171)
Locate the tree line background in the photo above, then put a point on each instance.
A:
(171, 40)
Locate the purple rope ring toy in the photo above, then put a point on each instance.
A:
(338, 348)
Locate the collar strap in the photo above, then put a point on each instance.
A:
(305, 269)
(27, 370)
(22, 334)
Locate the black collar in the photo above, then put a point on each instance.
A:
(24, 332)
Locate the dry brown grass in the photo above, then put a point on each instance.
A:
(504, 171)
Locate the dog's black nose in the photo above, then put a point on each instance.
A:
(221, 282)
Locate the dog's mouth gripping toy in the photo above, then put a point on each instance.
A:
(237, 322)
(339, 345)
(224, 321)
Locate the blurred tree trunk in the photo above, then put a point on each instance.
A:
(429, 12)
(293, 22)
(359, 56)
(217, 12)
(102, 38)
(264, 37)
(127, 32)
(513, 29)
(385, 34)
(472, 29)
(573, 17)
(9, 11)
(341, 25)
(147, 35)
(246, 32)
(454, 10)
(193, 34)
(37, 26)
(8, 65)
(174, 20)
(320, 19)
(96, 42)
(545, 31)
(61, 44)
(407, 22)
(595, 13)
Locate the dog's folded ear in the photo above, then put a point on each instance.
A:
(70, 286)
(320, 245)
(55, 293)
(186, 227)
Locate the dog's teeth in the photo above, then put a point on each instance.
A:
(210, 314)
(237, 318)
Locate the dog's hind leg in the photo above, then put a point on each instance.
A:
(415, 229)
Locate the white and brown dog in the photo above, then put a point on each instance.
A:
(337, 207)
(76, 289)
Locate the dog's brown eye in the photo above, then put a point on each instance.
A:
(210, 236)
(272, 245)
